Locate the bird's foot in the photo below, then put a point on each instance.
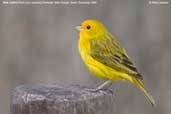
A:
(92, 89)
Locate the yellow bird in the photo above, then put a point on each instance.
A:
(106, 58)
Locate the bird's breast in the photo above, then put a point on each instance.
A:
(84, 49)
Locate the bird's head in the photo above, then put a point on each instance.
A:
(91, 29)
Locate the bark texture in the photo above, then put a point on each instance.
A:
(55, 99)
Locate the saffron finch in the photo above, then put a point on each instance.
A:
(106, 58)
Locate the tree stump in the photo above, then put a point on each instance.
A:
(55, 99)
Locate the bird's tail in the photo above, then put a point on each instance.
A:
(139, 84)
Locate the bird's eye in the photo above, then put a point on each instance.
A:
(88, 27)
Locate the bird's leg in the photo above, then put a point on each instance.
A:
(103, 86)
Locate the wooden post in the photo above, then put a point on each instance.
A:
(54, 99)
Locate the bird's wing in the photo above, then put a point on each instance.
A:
(109, 52)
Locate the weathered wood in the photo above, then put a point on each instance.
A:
(54, 99)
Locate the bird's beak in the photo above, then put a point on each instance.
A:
(79, 28)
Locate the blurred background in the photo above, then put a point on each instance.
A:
(38, 45)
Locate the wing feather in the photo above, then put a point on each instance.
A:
(109, 52)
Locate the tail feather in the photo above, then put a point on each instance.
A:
(140, 85)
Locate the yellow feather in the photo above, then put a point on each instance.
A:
(140, 85)
(105, 57)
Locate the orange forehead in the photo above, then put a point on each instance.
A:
(90, 22)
